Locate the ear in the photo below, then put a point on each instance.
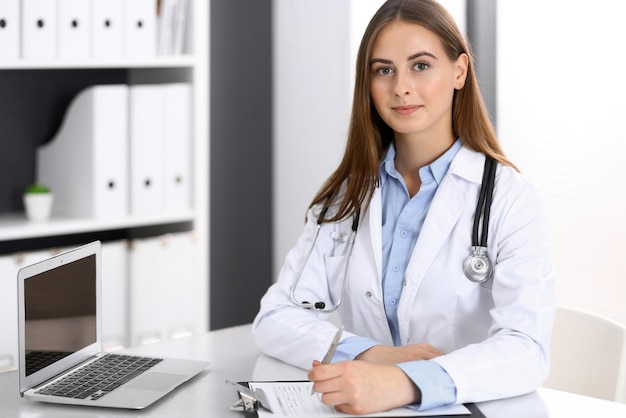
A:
(460, 69)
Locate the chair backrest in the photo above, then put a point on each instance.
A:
(588, 355)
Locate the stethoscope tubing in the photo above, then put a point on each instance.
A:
(321, 306)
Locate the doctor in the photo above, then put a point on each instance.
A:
(420, 331)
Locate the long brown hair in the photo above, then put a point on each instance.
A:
(369, 137)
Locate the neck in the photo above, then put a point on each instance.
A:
(413, 154)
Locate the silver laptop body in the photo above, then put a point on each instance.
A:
(59, 324)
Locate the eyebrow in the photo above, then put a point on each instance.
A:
(412, 57)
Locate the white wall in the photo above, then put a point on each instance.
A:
(561, 117)
(315, 46)
(311, 107)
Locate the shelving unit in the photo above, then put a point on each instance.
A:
(37, 95)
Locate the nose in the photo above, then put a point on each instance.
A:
(402, 86)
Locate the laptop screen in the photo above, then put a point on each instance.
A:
(59, 312)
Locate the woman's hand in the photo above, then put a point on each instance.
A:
(358, 387)
(388, 356)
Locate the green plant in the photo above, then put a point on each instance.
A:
(37, 188)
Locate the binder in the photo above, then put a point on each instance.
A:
(146, 149)
(140, 28)
(9, 29)
(39, 28)
(86, 163)
(147, 295)
(180, 277)
(177, 138)
(163, 278)
(114, 294)
(74, 28)
(107, 28)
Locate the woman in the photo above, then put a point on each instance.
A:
(418, 332)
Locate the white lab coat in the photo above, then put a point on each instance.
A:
(496, 335)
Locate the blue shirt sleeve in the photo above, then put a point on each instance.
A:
(351, 347)
(434, 383)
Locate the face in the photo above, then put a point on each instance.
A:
(413, 81)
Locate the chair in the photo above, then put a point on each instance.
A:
(588, 355)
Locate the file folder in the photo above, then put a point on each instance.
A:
(107, 28)
(146, 149)
(172, 27)
(86, 163)
(177, 137)
(39, 28)
(74, 28)
(180, 27)
(9, 29)
(140, 28)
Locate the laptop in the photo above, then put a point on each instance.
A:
(60, 339)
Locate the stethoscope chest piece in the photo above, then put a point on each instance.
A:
(477, 267)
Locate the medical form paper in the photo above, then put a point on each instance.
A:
(294, 399)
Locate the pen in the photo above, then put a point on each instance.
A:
(330, 352)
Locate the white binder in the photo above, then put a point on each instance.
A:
(86, 163)
(146, 149)
(114, 295)
(140, 28)
(74, 28)
(39, 28)
(10, 23)
(107, 28)
(163, 280)
(177, 137)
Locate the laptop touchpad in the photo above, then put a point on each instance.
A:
(156, 381)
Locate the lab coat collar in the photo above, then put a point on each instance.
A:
(468, 165)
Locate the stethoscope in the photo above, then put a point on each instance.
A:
(477, 266)
(321, 306)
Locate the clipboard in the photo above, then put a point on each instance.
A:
(251, 400)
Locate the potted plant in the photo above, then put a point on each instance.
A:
(38, 202)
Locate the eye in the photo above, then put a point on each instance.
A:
(383, 71)
(421, 66)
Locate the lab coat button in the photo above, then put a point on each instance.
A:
(368, 294)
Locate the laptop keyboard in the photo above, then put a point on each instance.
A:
(100, 376)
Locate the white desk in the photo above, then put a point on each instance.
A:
(235, 357)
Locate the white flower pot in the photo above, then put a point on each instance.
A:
(38, 206)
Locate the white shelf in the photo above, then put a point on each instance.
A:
(177, 61)
(16, 226)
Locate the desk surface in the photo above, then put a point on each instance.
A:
(235, 357)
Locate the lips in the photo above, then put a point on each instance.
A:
(406, 109)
